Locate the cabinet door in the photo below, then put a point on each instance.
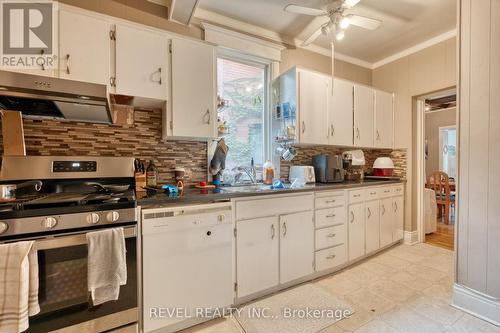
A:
(194, 112)
(340, 114)
(84, 48)
(313, 107)
(398, 218)
(356, 231)
(384, 125)
(386, 221)
(257, 261)
(372, 225)
(363, 116)
(296, 246)
(141, 63)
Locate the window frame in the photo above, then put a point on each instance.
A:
(267, 65)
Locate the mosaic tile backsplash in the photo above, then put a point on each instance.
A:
(305, 154)
(141, 140)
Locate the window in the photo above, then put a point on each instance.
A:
(242, 87)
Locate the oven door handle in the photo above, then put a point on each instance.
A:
(67, 240)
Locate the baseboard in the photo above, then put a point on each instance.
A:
(476, 304)
(411, 237)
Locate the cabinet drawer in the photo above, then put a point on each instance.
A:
(372, 193)
(330, 236)
(356, 196)
(385, 192)
(330, 216)
(272, 206)
(327, 202)
(330, 258)
(398, 190)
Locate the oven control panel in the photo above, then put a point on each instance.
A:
(74, 166)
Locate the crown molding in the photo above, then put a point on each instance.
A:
(416, 48)
(273, 37)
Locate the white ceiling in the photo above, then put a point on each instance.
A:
(405, 23)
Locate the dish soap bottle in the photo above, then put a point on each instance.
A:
(268, 173)
(151, 175)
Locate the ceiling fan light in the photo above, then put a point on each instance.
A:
(351, 3)
(344, 22)
(340, 35)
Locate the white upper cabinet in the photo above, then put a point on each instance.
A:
(84, 48)
(384, 123)
(363, 116)
(313, 107)
(340, 114)
(141, 62)
(194, 112)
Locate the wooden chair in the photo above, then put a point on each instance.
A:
(444, 198)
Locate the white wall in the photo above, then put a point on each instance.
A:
(426, 71)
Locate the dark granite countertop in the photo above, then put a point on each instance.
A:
(192, 196)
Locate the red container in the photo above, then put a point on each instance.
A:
(384, 172)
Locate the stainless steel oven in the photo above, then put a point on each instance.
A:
(63, 294)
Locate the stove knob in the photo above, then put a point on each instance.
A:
(49, 222)
(113, 216)
(3, 227)
(92, 218)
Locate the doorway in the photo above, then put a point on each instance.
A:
(437, 168)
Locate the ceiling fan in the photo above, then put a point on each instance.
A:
(338, 19)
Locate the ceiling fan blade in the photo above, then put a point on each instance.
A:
(312, 38)
(304, 10)
(350, 3)
(364, 22)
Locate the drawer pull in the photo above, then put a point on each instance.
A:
(369, 212)
(357, 195)
(330, 201)
(331, 256)
(387, 191)
(373, 193)
(273, 231)
(330, 235)
(330, 215)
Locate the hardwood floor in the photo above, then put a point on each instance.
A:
(444, 236)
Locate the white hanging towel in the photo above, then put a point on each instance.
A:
(107, 264)
(18, 286)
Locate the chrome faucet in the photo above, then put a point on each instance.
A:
(250, 171)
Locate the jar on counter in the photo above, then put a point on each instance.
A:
(268, 173)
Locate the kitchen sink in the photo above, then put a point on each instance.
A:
(249, 188)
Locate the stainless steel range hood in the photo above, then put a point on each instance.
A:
(47, 97)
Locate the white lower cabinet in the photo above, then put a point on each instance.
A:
(386, 222)
(372, 226)
(257, 244)
(356, 231)
(398, 221)
(330, 258)
(296, 246)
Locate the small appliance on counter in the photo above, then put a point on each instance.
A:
(328, 168)
(303, 173)
(354, 163)
(383, 167)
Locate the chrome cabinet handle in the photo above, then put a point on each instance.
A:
(330, 256)
(378, 135)
(369, 212)
(332, 130)
(352, 216)
(303, 126)
(273, 231)
(208, 116)
(383, 209)
(330, 235)
(284, 229)
(160, 82)
(330, 201)
(395, 206)
(221, 217)
(357, 133)
(67, 64)
(330, 215)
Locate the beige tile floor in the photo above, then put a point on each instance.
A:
(403, 289)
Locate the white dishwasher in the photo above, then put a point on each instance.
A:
(187, 264)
